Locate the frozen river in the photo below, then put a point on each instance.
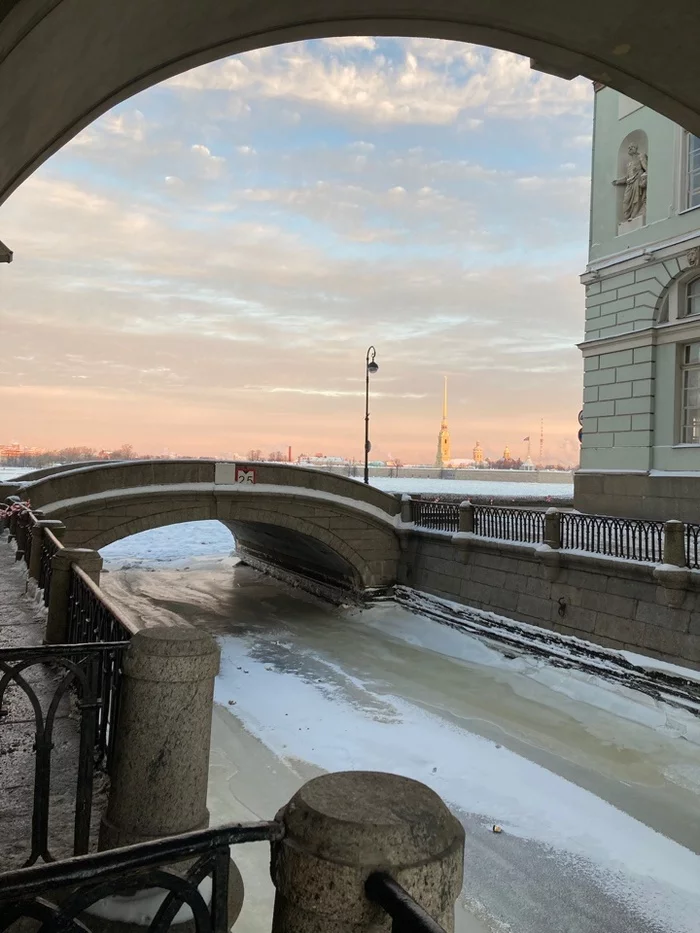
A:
(597, 788)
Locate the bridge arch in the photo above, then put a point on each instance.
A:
(324, 529)
(67, 62)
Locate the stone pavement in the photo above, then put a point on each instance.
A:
(22, 623)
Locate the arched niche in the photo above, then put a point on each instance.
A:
(631, 182)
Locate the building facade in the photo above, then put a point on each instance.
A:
(640, 453)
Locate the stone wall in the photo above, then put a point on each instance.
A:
(653, 496)
(612, 602)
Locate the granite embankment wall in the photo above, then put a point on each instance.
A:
(647, 608)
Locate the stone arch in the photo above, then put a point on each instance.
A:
(66, 67)
(671, 281)
(329, 540)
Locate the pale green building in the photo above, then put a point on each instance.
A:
(640, 452)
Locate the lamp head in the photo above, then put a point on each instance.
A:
(372, 367)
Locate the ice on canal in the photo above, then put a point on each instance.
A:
(596, 787)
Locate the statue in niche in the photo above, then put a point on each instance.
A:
(634, 201)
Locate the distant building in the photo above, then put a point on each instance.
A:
(444, 451)
(478, 455)
(640, 437)
(527, 465)
(506, 453)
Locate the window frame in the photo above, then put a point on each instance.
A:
(691, 296)
(691, 173)
(687, 368)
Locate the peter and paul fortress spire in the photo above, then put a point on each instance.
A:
(443, 445)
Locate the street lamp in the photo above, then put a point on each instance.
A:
(372, 367)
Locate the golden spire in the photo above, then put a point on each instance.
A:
(443, 444)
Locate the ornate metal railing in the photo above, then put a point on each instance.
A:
(494, 521)
(692, 553)
(25, 521)
(631, 538)
(146, 869)
(406, 914)
(76, 667)
(441, 516)
(49, 547)
(92, 620)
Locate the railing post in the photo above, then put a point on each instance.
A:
(59, 593)
(57, 528)
(466, 517)
(161, 752)
(552, 528)
(339, 828)
(11, 522)
(406, 509)
(674, 544)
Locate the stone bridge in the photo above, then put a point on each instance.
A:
(324, 528)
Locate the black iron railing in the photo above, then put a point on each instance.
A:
(631, 538)
(407, 915)
(72, 668)
(49, 547)
(146, 868)
(495, 521)
(440, 516)
(692, 554)
(25, 521)
(92, 620)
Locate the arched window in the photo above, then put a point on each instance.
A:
(692, 297)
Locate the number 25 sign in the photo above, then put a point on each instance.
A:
(244, 476)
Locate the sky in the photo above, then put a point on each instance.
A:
(203, 268)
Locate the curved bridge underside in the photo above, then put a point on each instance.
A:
(65, 62)
(322, 529)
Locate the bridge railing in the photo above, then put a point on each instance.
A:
(676, 543)
(89, 657)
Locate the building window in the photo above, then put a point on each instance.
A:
(692, 297)
(693, 172)
(690, 433)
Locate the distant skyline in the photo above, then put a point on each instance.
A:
(203, 268)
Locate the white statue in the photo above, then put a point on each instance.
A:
(635, 182)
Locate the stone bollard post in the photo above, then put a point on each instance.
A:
(406, 508)
(59, 592)
(339, 828)
(552, 528)
(57, 528)
(674, 544)
(161, 762)
(466, 517)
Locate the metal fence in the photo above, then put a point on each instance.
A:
(692, 555)
(406, 914)
(440, 516)
(493, 521)
(631, 538)
(91, 620)
(72, 668)
(28, 893)
(50, 545)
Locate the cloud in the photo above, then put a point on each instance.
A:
(412, 82)
(215, 261)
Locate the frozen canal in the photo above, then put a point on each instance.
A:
(597, 788)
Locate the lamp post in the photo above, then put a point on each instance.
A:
(371, 367)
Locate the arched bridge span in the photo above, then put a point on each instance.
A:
(324, 528)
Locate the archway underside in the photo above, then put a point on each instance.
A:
(64, 63)
(340, 548)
